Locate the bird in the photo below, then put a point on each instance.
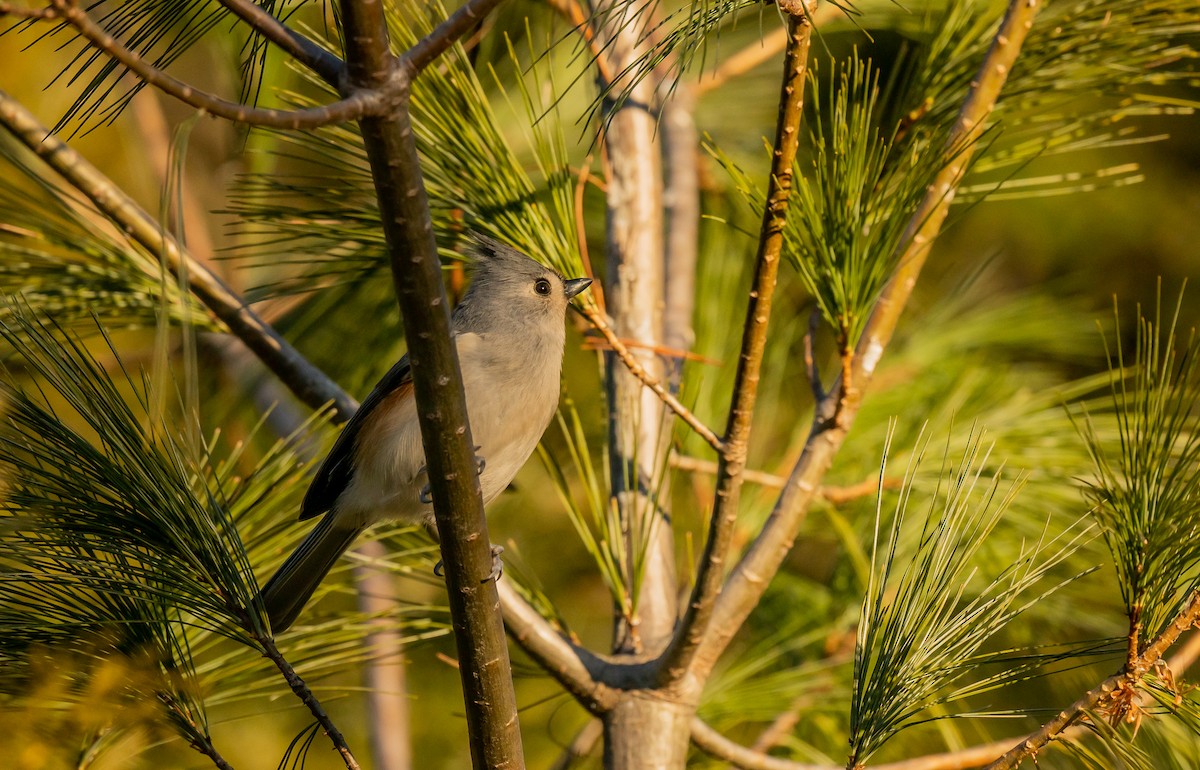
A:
(509, 333)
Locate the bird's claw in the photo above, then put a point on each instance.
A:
(497, 565)
(426, 495)
(439, 569)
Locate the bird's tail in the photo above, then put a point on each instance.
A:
(289, 589)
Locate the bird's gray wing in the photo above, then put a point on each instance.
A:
(337, 469)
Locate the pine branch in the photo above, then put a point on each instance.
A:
(732, 464)
(835, 414)
(309, 384)
(307, 52)
(305, 694)
(1114, 695)
(579, 672)
(352, 107)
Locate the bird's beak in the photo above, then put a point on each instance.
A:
(575, 286)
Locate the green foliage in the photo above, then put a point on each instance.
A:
(56, 256)
(128, 548)
(921, 630)
(1146, 485)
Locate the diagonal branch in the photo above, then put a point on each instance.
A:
(352, 107)
(734, 445)
(1114, 693)
(307, 382)
(637, 370)
(713, 743)
(576, 669)
(305, 694)
(447, 33)
(836, 413)
(328, 66)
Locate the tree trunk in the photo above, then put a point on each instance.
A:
(638, 425)
(646, 732)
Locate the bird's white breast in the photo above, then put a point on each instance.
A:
(511, 397)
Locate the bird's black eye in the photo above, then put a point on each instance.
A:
(542, 286)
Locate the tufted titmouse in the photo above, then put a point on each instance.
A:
(509, 333)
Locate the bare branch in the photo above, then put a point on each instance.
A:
(573, 12)
(305, 694)
(637, 370)
(833, 419)
(734, 445)
(352, 107)
(309, 383)
(713, 743)
(710, 741)
(575, 668)
(328, 66)
(436, 42)
(1112, 694)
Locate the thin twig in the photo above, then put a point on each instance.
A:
(593, 343)
(572, 11)
(734, 444)
(302, 691)
(637, 370)
(328, 66)
(760, 52)
(352, 107)
(834, 495)
(446, 34)
(751, 575)
(310, 384)
(585, 175)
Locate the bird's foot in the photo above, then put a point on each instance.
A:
(497, 565)
(439, 569)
